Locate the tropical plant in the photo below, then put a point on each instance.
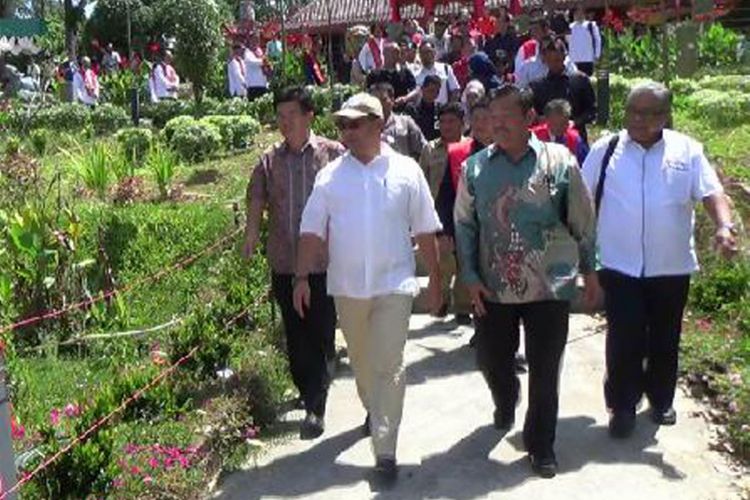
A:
(39, 139)
(717, 46)
(93, 168)
(162, 162)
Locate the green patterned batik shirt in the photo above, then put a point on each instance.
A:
(524, 229)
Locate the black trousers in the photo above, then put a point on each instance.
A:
(546, 332)
(254, 92)
(644, 323)
(585, 67)
(309, 341)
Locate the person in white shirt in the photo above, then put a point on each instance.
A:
(536, 69)
(256, 80)
(584, 42)
(450, 90)
(366, 206)
(646, 180)
(86, 84)
(164, 81)
(236, 72)
(371, 55)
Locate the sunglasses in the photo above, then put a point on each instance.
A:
(345, 124)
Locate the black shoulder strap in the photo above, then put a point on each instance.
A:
(591, 33)
(611, 145)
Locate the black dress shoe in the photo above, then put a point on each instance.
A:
(504, 418)
(312, 427)
(366, 426)
(544, 465)
(664, 417)
(621, 425)
(386, 470)
(443, 311)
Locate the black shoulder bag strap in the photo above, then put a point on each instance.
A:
(611, 145)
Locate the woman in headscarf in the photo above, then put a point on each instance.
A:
(482, 69)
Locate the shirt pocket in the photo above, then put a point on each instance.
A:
(676, 181)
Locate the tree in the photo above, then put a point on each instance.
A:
(74, 14)
(197, 29)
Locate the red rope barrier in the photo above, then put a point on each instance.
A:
(123, 405)
(148, 279)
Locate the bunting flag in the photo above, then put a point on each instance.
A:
(515, 8)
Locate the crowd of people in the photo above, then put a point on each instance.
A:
(481, 159)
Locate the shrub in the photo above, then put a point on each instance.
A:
(235, 130)
(194, 142)
(262, 109)
(161, 112)
(39, 139)
(719, 108)
(726, 82)
(135, 143)
(65, 117)
(235, 106)
(107, 118)
(175, 123)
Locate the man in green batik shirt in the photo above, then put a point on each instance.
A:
(524, 229)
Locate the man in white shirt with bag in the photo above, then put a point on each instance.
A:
(646, 181)
(584, 42)
(365, 207)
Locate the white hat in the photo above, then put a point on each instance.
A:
(359, 106)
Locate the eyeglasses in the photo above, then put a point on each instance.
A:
(350, 124)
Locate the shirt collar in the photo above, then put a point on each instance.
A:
(312, 142)
(535, 146)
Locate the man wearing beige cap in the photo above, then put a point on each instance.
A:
(366, 206)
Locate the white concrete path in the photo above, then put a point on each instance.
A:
(448, 448)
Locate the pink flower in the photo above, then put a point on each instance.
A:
(184, 462)
(72, 410)
(54, 416)
(251, 432)
(135, 470)
(17, 431)
(153, 462)
(131, 449)
(148, 480)
(118, 482)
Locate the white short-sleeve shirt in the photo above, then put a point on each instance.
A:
(368, 214)
(447, 77)
(646, 218)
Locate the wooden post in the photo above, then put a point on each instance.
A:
(665, 46)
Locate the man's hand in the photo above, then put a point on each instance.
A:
(446, 245)
(434, 294)
(592, 292)
(725, 242)
(478, 292)
(301, 297)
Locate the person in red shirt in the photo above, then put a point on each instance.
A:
(461, 67)
(557, 127)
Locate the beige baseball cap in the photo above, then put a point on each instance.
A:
(359, 106)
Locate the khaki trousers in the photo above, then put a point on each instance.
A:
(375, 332)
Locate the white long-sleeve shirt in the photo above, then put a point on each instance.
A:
(366, 59)
(79, 88)
(236, 76)
(254, 75)
(368, 214)
(584, 42)
(161, 86)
